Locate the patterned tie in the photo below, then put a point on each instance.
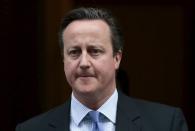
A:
(94, 115)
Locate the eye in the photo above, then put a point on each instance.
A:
(95, 51)
(74, 52)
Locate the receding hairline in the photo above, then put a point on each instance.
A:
(89, 20)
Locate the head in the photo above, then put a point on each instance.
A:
(92, 51)
(94, 14)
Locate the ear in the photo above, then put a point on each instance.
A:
(117, 59)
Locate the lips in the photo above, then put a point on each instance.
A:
(84, 75)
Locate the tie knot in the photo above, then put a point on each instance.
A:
(94, 115)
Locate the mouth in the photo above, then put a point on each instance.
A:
(84, 75)
(85, 78)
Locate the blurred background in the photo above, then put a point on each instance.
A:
(157, 62)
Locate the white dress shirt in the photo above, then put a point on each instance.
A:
(80, 122)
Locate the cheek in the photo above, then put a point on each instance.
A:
(106, 66)
(69, 69)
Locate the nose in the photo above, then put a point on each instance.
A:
(84, 61)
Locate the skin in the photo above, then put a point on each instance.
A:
(89, 63)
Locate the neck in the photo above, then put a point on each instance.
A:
(94, 100)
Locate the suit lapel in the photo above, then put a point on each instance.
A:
(128, 118)
(61, 119)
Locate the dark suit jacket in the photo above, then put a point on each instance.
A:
(132, 115)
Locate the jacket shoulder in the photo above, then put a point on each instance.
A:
(145, 105)
(160, 116)
(41, 121)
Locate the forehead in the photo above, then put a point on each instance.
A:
(79, 27)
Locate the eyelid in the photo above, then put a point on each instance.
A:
(95, 51)
(72, 49)
(74, 52)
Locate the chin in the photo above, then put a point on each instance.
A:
(86, 89)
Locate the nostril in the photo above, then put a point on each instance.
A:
(84, 66)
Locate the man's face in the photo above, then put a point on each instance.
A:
(89, 63)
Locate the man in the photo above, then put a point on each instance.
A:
(92, 50)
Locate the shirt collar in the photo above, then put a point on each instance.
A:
(109, 107)
(79, 111)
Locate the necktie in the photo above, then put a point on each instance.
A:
(94, 115)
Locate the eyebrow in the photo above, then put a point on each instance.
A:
(88, 46)
(95, 46)
(73, 47)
